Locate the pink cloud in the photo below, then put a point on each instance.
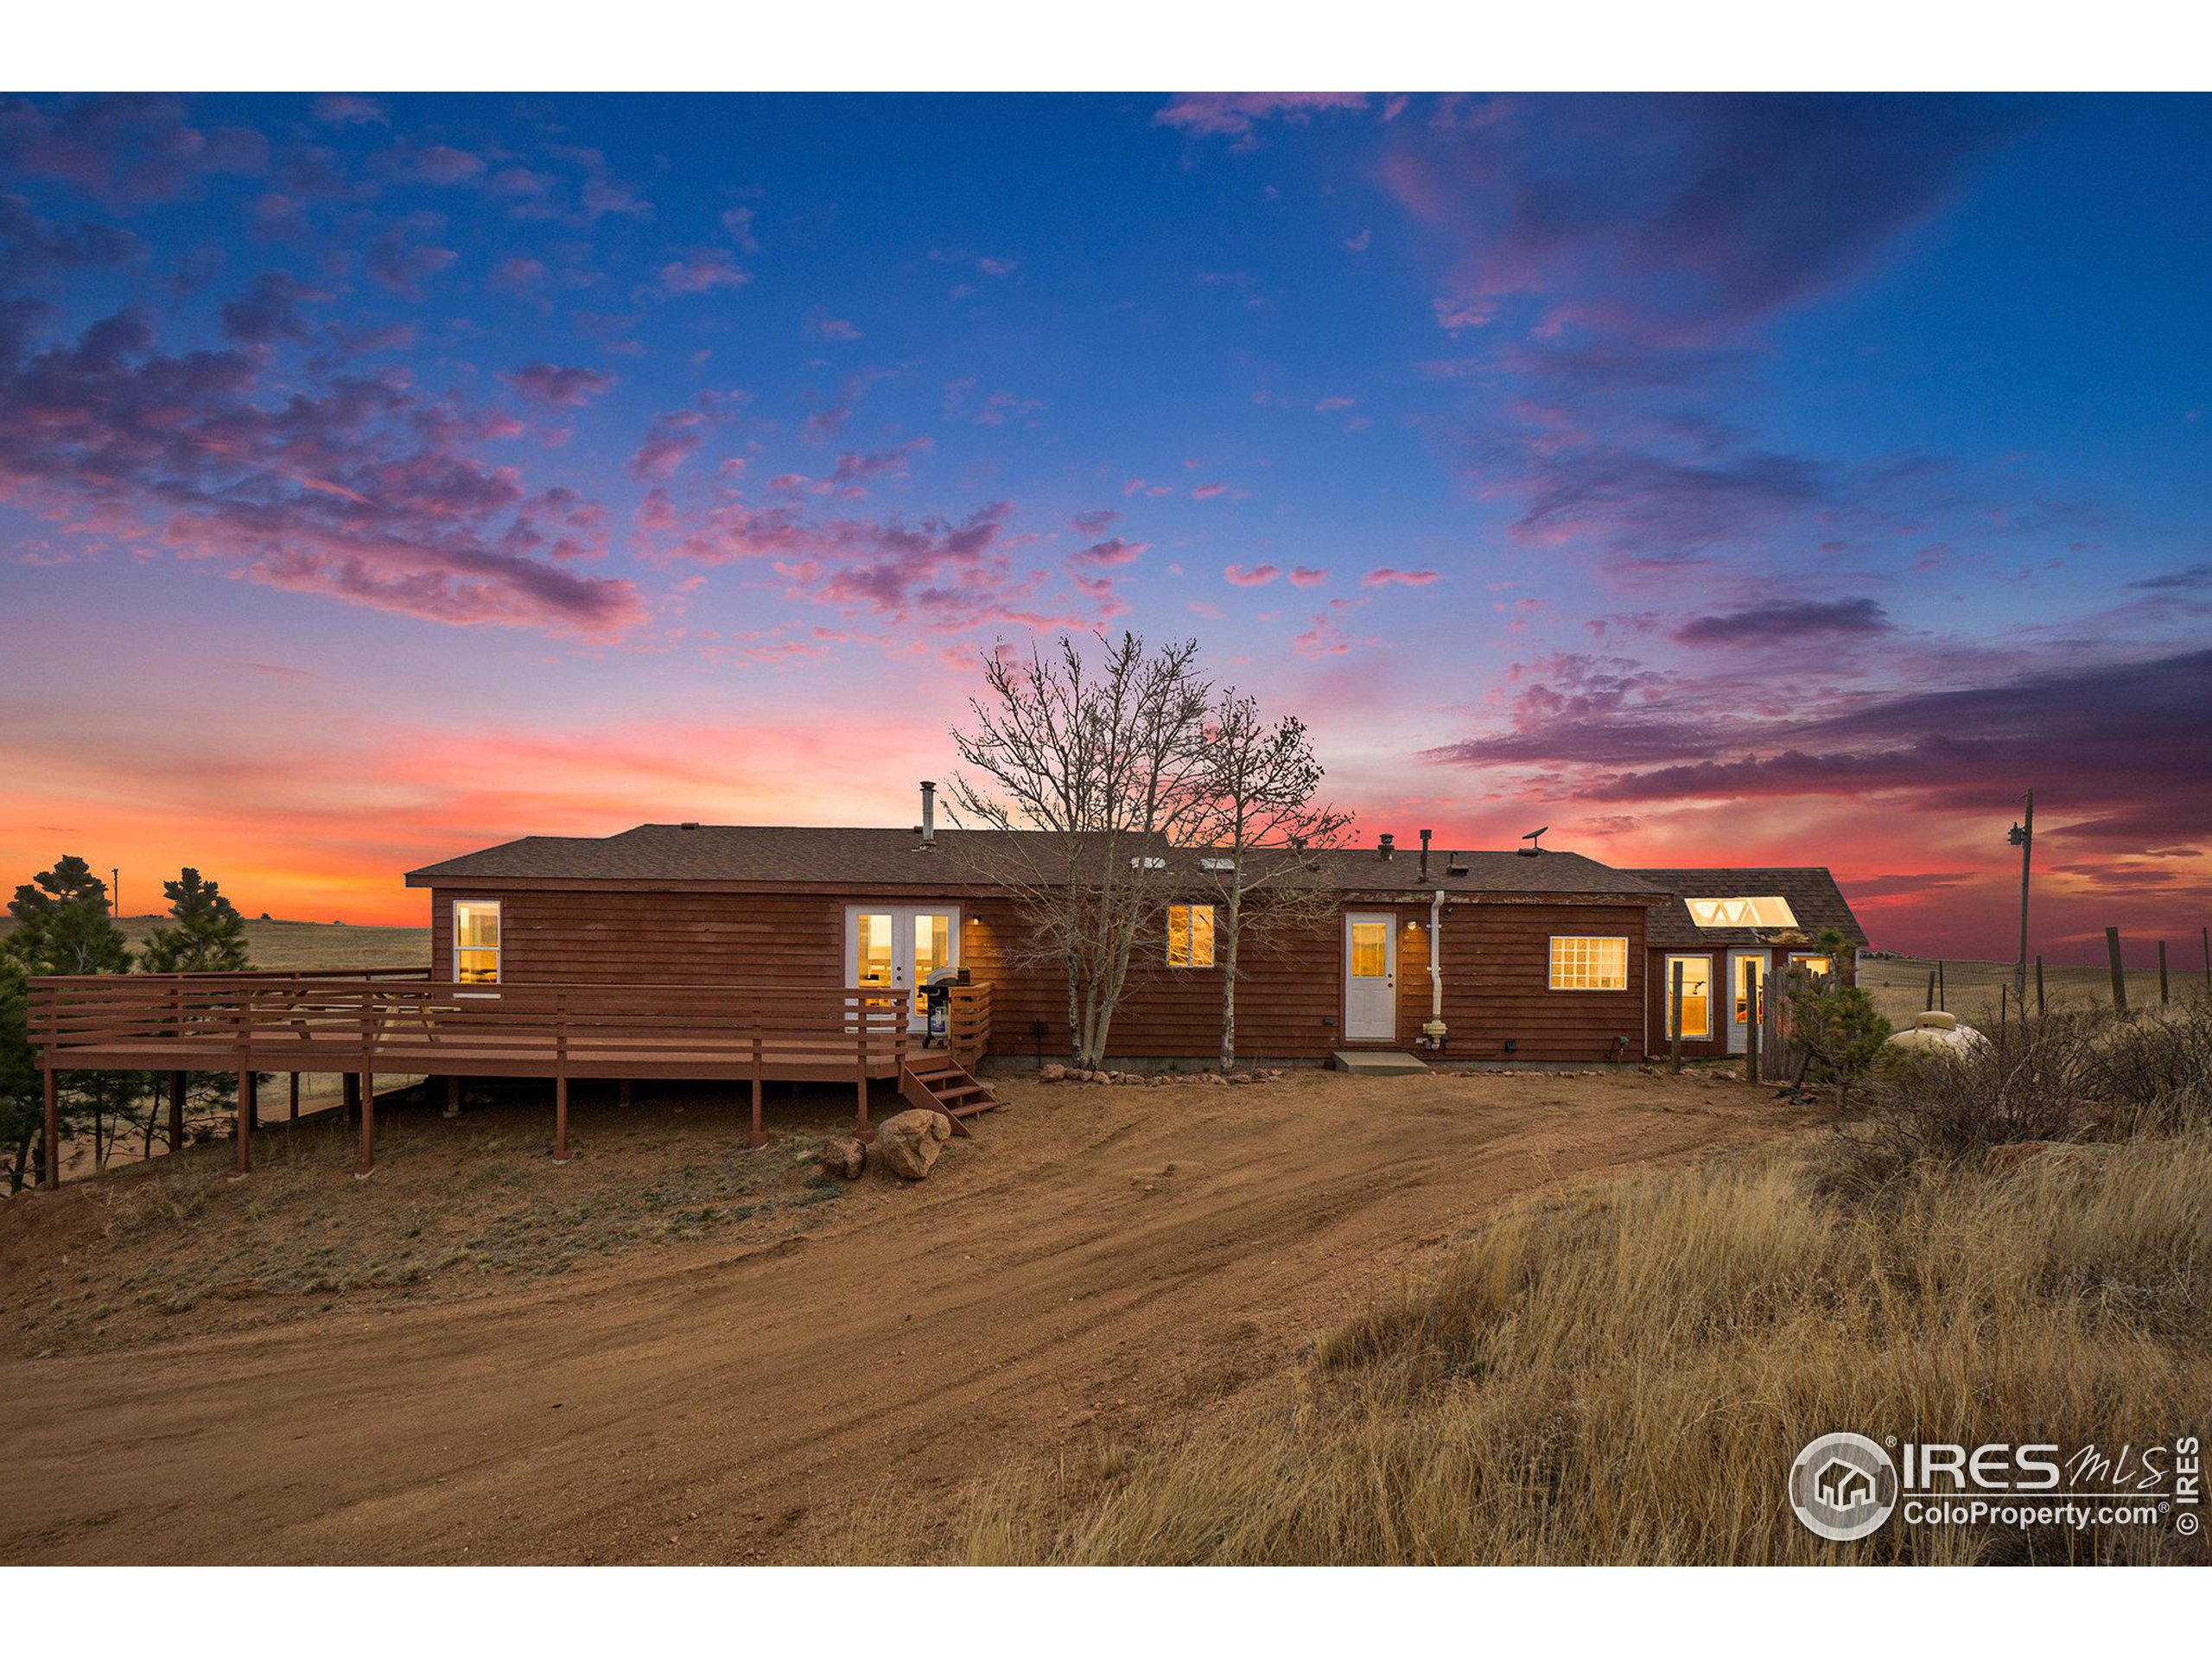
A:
(1235, 114)
(1386, 576)
(1307, 576)
(563, 387)
(670, 440)
(1258, 575)
(1113, 550)
(701, 272)
(1207, 492)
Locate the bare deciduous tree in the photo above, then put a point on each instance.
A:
(1109, 760)
(1265, 837)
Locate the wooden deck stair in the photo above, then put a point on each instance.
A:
(935, 1081)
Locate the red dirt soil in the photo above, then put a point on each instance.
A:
(1096, 1264)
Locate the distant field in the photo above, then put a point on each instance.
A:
(306, 945)
(1900, 986)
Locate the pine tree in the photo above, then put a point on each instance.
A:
(62, 925)
(207, 934)
(21, 1106)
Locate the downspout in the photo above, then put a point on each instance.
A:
(1434, 1032)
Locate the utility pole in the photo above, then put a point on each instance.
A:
(2023, 837)
(115, 890)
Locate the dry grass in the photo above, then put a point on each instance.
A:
(290, 946)
(1899, 984)
(1626, 1375)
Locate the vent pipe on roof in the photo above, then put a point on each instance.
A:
(929, 813)
(689, 823)
(1424, 858)
(1385, 845)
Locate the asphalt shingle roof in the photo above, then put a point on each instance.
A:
(1814, 897)
(749, 854)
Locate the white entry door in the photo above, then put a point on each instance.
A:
(1746, 996)
(1371, 976)
(901, 945)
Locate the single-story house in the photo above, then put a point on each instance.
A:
(744, 954)
(1730, 932)
(1520, 955)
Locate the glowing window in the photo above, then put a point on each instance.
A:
(1771, 911)
(1190, 936)
(476, 941)
(1697, 995)
(1811, 966)
(873, 943)
(1580, 963)
(1371, 949)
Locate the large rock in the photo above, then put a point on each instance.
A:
(844, 1157)
(909, 1143)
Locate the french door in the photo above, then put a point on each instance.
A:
(901, 945)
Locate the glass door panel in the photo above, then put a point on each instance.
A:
(874, 949)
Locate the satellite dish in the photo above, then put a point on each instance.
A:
(1534, 846)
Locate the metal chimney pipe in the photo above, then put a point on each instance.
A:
(1424, 857)
(1385, 845)
(929, 813)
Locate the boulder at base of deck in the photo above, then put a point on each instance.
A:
(844, 1157)
(909, 1143)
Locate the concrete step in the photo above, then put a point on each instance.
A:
(1376, 1062)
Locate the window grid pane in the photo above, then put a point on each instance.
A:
(1580, 963)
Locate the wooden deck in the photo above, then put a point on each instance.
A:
(364, 1024)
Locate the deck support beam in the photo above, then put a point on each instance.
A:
(253, 1102)
(560, 1119)
(367, 1165)
(353, 1096)
(243, 1162)
(453, 1096)
(294, 1116)
(861, 1131)
(759, 1137)
(50, 1146)
(176, 1111)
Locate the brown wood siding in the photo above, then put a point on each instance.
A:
(1498, 984)
(666, 938)
(1290, 998)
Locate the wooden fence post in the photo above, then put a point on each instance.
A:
(1754, 1011)
(1942, 990)
(2163, 998)
(2118, 974)
(1932, 991)
(2039, 1001)
(1675, 1023)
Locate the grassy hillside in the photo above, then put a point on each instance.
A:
(1900, 986)
(306, 945)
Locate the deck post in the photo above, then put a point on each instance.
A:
(176, 1111)
(367, 1165)
(453, 1096)
(293, 1117)
(759, 1137)
(50, 1145)
(253, 1102)
(622, 1092)
(244, 1159)
(560, 1119)
(1674, 1024)
(352, 1094)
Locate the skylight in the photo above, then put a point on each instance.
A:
(1771, 911)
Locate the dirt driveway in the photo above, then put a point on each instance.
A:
(1096, 1263)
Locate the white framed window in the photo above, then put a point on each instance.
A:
(1769, 911)
(476, 941)
(1190, 936)
(1588, 963)
(1697, 995)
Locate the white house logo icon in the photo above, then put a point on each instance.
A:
(1843, 1486)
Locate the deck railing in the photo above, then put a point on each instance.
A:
(399, 1022)
(968, 1027)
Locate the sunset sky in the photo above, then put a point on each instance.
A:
(1732, 480)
